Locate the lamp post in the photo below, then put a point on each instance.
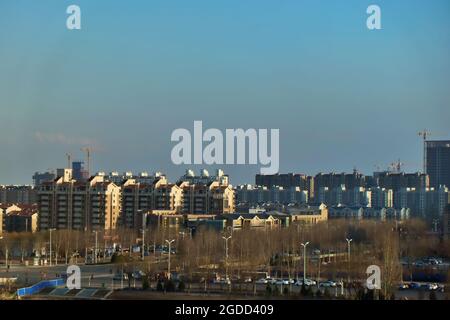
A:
(226, 255)
(144, 225)
(143, 244)
(170, 250)
(6, 255)
(348, 253)
(50, 230)
(96, 246)
(304, 261)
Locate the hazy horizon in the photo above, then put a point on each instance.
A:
(342, 96)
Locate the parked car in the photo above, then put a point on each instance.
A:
(414, 285)
(432, 286)
(327, 284)
(262, 281)
(222, 281)
(121, 276)
(138, 274)
(282, 282)
(308, 282)
(419, 264)
(403, 286)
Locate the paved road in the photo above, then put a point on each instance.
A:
(103, 276)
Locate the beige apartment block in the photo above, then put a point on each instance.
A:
(68, 204)
(140, 198)
(211, 198)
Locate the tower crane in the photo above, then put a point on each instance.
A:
(424, 134)
(88, 151)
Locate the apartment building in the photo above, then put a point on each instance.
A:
(424, 202)
(6, 209)
(21, 219)
(211, 198)
(359, 213)
(17, 194)
(68, 204)
(446, 223)
(138, 199)
(255, 195)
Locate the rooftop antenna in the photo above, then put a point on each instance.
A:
(424, 134)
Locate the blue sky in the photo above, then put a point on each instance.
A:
(341, 95)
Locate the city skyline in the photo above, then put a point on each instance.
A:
(343, 96)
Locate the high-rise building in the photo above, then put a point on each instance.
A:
(40, 177)
(79, 173)
(446, 222)
(256, 195)
(437, 162)
(140, 198)
(287, 181)
(426, 203)
(17, 194)
(211, 198)
(69, 204)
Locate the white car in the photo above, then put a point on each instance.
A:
(222, 281)
(432, 286)
(328, 284)
(308, 282)
(262, 281)
(282, 282)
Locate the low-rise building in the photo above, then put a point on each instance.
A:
(359, 213)
(248, 220)
(18, 218)
(308, 214)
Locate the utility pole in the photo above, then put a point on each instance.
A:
(304, 261)
(424, 134)
(226, 255)
(170, 251)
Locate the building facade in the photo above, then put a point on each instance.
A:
(68, 204)
(437, 162)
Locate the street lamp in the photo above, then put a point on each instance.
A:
(348, 248)
(304, 261)
(96, 246)
(348, 252)
(170, 250)
(50, 230)
(6, 255)
(226, 255)
(144, 225)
